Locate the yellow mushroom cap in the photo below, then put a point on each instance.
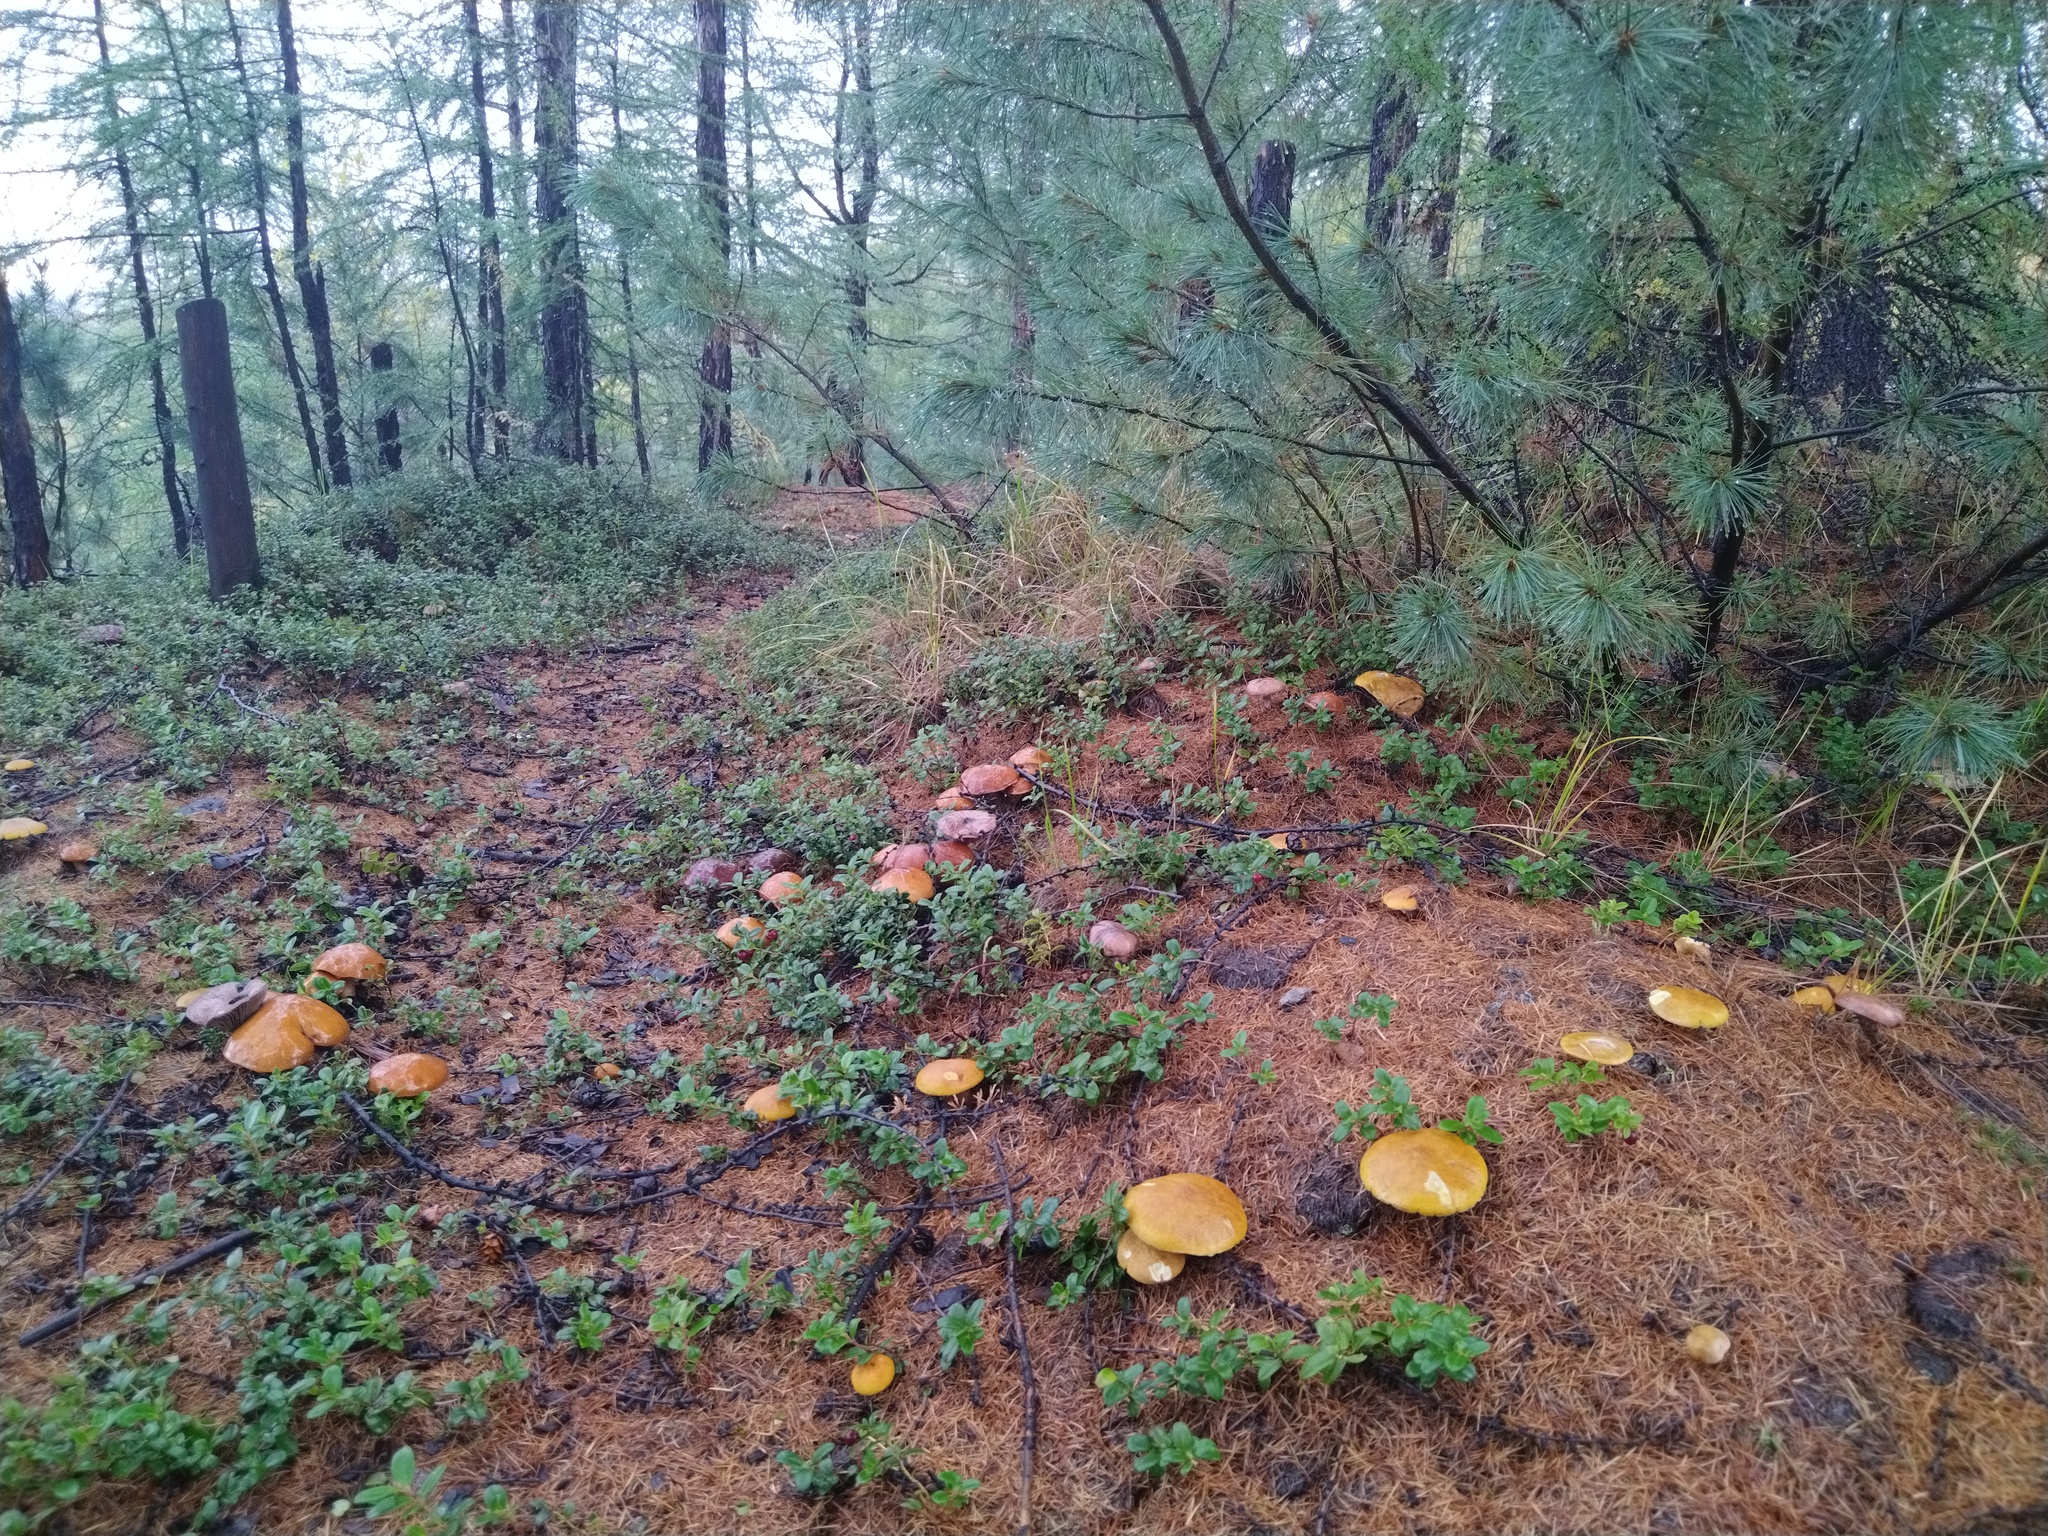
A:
(408, 1075)
(1591, 1045)
(1186, 1213)
(1402, 695)
(944, 1078)
(1144, 1263)
(1688, 1007)
(914, 883)
(1840, 984)
(270, 1042)
(15, 828)
(1814, 997)
(872, 1375)
(605, 1071)
(185, 1000)
(782, 886)
(740, 930)
(1279, 840)
(1429, 1172)
(769, 1104)
(1031, 759)
(20, 764)
(312, 1018)
(992, 779)
(352, 962)
(1707, 1344)
(1400, 899)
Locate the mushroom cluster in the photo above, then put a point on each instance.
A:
(1173, 1218)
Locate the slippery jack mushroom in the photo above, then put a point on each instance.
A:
(224, 1006)
(782, 887)
(1428, 1172)
(769, 1104)
(315, 1020)
(1872, 1010)
(270, 1042)
(953, 800)
(1707, 1344)
(75, 853)
(408, 1075)
(1688, 1007)
(1186, 1213)
(708, 872)
(1400, 899)
(16, 829)
(1591, 1045)
(913, 883)
(1144, 1263)
(741, 932)
(351, 965)
(949, 1076)
(1402, 696)
(872, 1375)
(1821, 999)
(20, 764)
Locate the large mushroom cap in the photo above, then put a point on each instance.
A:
(993, 779)
(872, 1375)
(1688, 1007)
(741, 932)
(1591, 1045)
(1402, 695)
(1113, 938)
(902, 856)
(408, 1075)
(769, 1104)
(1186, 1213)
(1033, 760)
(965, 826)
(1262, 688)
(950, 850)
(15, 828)
(782, 886)
(948, 1076)
(1144, 1263)
(914, 883)
(352, 962)
(270, 1042)
(1429, 1172)
(312, 1018)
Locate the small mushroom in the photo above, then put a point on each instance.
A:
(270, 1042)
(993, 779)
(16, 829)
(1688, 1007)
(914, 883)
(20, 764)
(1186, 1213)
(606, 1071)
(1325, 700)
(224, 1006)
(949, 1076)
(769, 1104)
(1816, 997)
(1707, 1344)
(1144, 1263)
(741, 932)
(1113, 938)
(408, 1075)
(772, 861)
(1031, 760)
(1400, 899)
(1429, 1172)
(74, 853)
(873, 1375)
(1262, 689)
(351, 965)
(782, 887)
(965, 826)
(953, 800)
(1402, 695)
(1874, 1010)
(1693, 949)
(1591, 1045)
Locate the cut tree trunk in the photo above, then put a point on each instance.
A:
(218, 462)
(311, 279)
(28, 537)
(714, 364)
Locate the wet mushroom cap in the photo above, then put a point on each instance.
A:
(1878, 1010)
(948, 1076)
(314, 1019)
(1688, 1007)
(1428, 1172)
(965, 826)
(992, 779)
(740, 930)
(270, 1042)
(782, 886)
(1400, 899)
(1814, 997)
(1707, 1344)
(1144, 1263)
(872, 1375)
(914, 883)
(1325, 700)
(15, 828)
(1402, 695)
(951, 851)
(1113, 938)
(769, 1104)
(1186, 1213)
(408, 1075)
(352, 962)
(1591, 1045)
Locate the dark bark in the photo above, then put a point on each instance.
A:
(858, 214)
(1269, 197)
(389, 449)
(490, 292)
(1393, 135)
(28, 537)
(626, 298)
(311, 279)
(218, 464)
(194, 181)
(280, 316)
(145, 308)
(515, 131)
(566, 428)
(714, 364)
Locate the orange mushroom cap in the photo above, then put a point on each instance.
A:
(1186, 1213)
(1688, 1007)
(951, 851)
(902, 856)
(1429, 1172)
(270, 1042)
(78, 850)
(314, 1019)
(872, 1375)
(1400, 899)
(948, 1076)
(914, 883)
(769, 1104)
(1033, 760)
(352, 962)
(408, 1075)
(993, 779)
(952, 800)
(740, 931)
(781, 887)
(1325, 700)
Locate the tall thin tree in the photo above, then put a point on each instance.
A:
(311, 279)
(28, 538)
(490, 291)
(626, 292)
(857, 214)
(190, 154)
(714, 364)
(567, 427)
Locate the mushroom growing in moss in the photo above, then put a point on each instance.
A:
(741, 932)
(1688, 1007)
(1144, 1263)
(873, 1375)
(1429, 1172)
(949, 1076)
(1707, 1344)
(994, 779)
(913, 883)
(1401, 695)
(351, 965)
(1186, 1213)
(1591, 1045)
(769, 1104)
(408, 1075)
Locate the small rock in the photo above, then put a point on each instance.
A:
(225, 1006)
(1294, 997)
(103, 634)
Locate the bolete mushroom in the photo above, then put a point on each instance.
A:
(1144, 1263)
(1260, 689)
(1840, 984)
(351, 965)
(270, 1042)
(408, 1075)
(781, 887)
(913, 883)
(1429, 1172)
(951, 851)
(1031, 760)
(1591, 1045)
(872, 1375)
(1707, 1344)
(1113, 938)
(1186, 1213)
(1400, 899)
(741, 932)
(1816, 997)
(902, 856)
(224, 1006)
(953, 800)
(708, 872)
(75, 852)
(993, 779)
(1873, 1010)
(312, 1018)
(17, 829)
(769, 1104)
(1325, 700)
(772, 861)
(1688, 1007)
(965, 826)
(1402, 695)
(948, 1076)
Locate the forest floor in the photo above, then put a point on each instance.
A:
(1856, 1210)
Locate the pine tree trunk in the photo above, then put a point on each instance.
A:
(28, 538)
(280, 316)
(490, 293)
(389, 449)
(1270, 197)
(566, 429)
(1392, 135)
(626, 296)
(312, 281)
(515, 131)
(145, 308)
(714, 364)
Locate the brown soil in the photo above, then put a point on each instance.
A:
(1791, 1180)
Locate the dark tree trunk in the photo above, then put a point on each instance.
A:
(312, 281)
(218, 462)
(145, 308)
(626, 296)
(1023, 331)
(714, 364)
(1269, 199)
(515, 131)
(28, 538)
(490, 293)
(565, 429)
(382, 362)
(279, 315)
(201, 220)
(1393, 135)
(859, 220)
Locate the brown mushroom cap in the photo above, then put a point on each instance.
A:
(1113, 938)
(1818, 997)
(270, 1042)
(993, 779)
(872, 1375)
(1325, 700)
(709, 872)
(1032, 760)
(951, 851)
(948, 1076)
(1688, 1007)
(782, 886)
(1429, 1172)
(1402, 695)
(772, 861)
(1707, 1344)
(902, 856)
(408, 1075)
(769, 1104)
(741, 930)
(352, 962)
(15, 828)
(1186, 1213)
(1591, 1045)
(965, 826)
(953, 800)
(914, 883)
(77, 850)
(314, 1019)
(1400, 899)
(1878, 1010)
(1144, 1263)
